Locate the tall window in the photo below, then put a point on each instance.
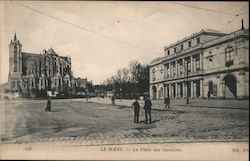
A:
(188, 63)
(168, 52)
(161, 69)
(181, 67)
(229, 56)
(175, 50)
(189, 44)
(198, 40)
(181, 47)
(168, 73)
(197, 63)
(173, 68)
(153, 74)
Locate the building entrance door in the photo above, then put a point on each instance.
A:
(230, 86)
(153, 92)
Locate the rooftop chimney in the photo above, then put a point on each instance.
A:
(242, 25)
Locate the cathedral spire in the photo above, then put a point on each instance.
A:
(15, 37)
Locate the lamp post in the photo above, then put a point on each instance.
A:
(121, 94)
(86, 95)
(186, 68)
(187, 101)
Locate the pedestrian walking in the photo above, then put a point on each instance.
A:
(208, 95)
(136, 107)
(48, 107)
(147, 107)
(113, 100)
(167, 103)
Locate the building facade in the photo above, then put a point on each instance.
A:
(33, 73)
(205, 64)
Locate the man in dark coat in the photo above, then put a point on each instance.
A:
(147, 107)
(167, 102)
(48, 108)
(113, 100)
(136, 107)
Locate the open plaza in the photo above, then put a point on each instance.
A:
(97, 122)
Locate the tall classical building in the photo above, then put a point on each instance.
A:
(30, 72)
(205, 64)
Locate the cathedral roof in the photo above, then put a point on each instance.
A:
(51, 51)
(26, 57)
(33, 57)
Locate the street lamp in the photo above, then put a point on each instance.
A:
(121, 94)
(86, 95)
(187, 99)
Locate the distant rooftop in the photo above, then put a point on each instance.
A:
(203, 31)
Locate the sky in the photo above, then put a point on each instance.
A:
(102, 37)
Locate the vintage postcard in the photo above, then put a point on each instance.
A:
(124, 80)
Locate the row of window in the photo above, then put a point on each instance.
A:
(16, 84)
(182, 46)
(173, 69)
(62, 70)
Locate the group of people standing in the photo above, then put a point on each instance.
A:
(135, 105)
(147, 108)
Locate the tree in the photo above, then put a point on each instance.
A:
(133, 81)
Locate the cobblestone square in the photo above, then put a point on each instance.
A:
(94, 123)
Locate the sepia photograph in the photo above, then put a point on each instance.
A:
(124, 80)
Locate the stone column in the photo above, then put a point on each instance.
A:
(194, 64)
(39, 84)
(201, 89)
(195, 89)
(183, 69)
(192, 88)
(176, 90)
(176, 68)
(164, 72)
(191, 64)
(184, 89)
(172, 90)
(201, 61)
(168, 90)
(170, 70)
(168, 67)
(179, 90)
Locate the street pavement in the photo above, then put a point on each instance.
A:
(159, 104)
(97, 122)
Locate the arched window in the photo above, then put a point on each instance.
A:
(161, 69)
(198, 63)
(229, 56)
(173, 68)
(15, 59)
(168, 70)
(153, 74)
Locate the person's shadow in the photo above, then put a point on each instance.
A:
(168, 109)
(153, 121)
(53, 110)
